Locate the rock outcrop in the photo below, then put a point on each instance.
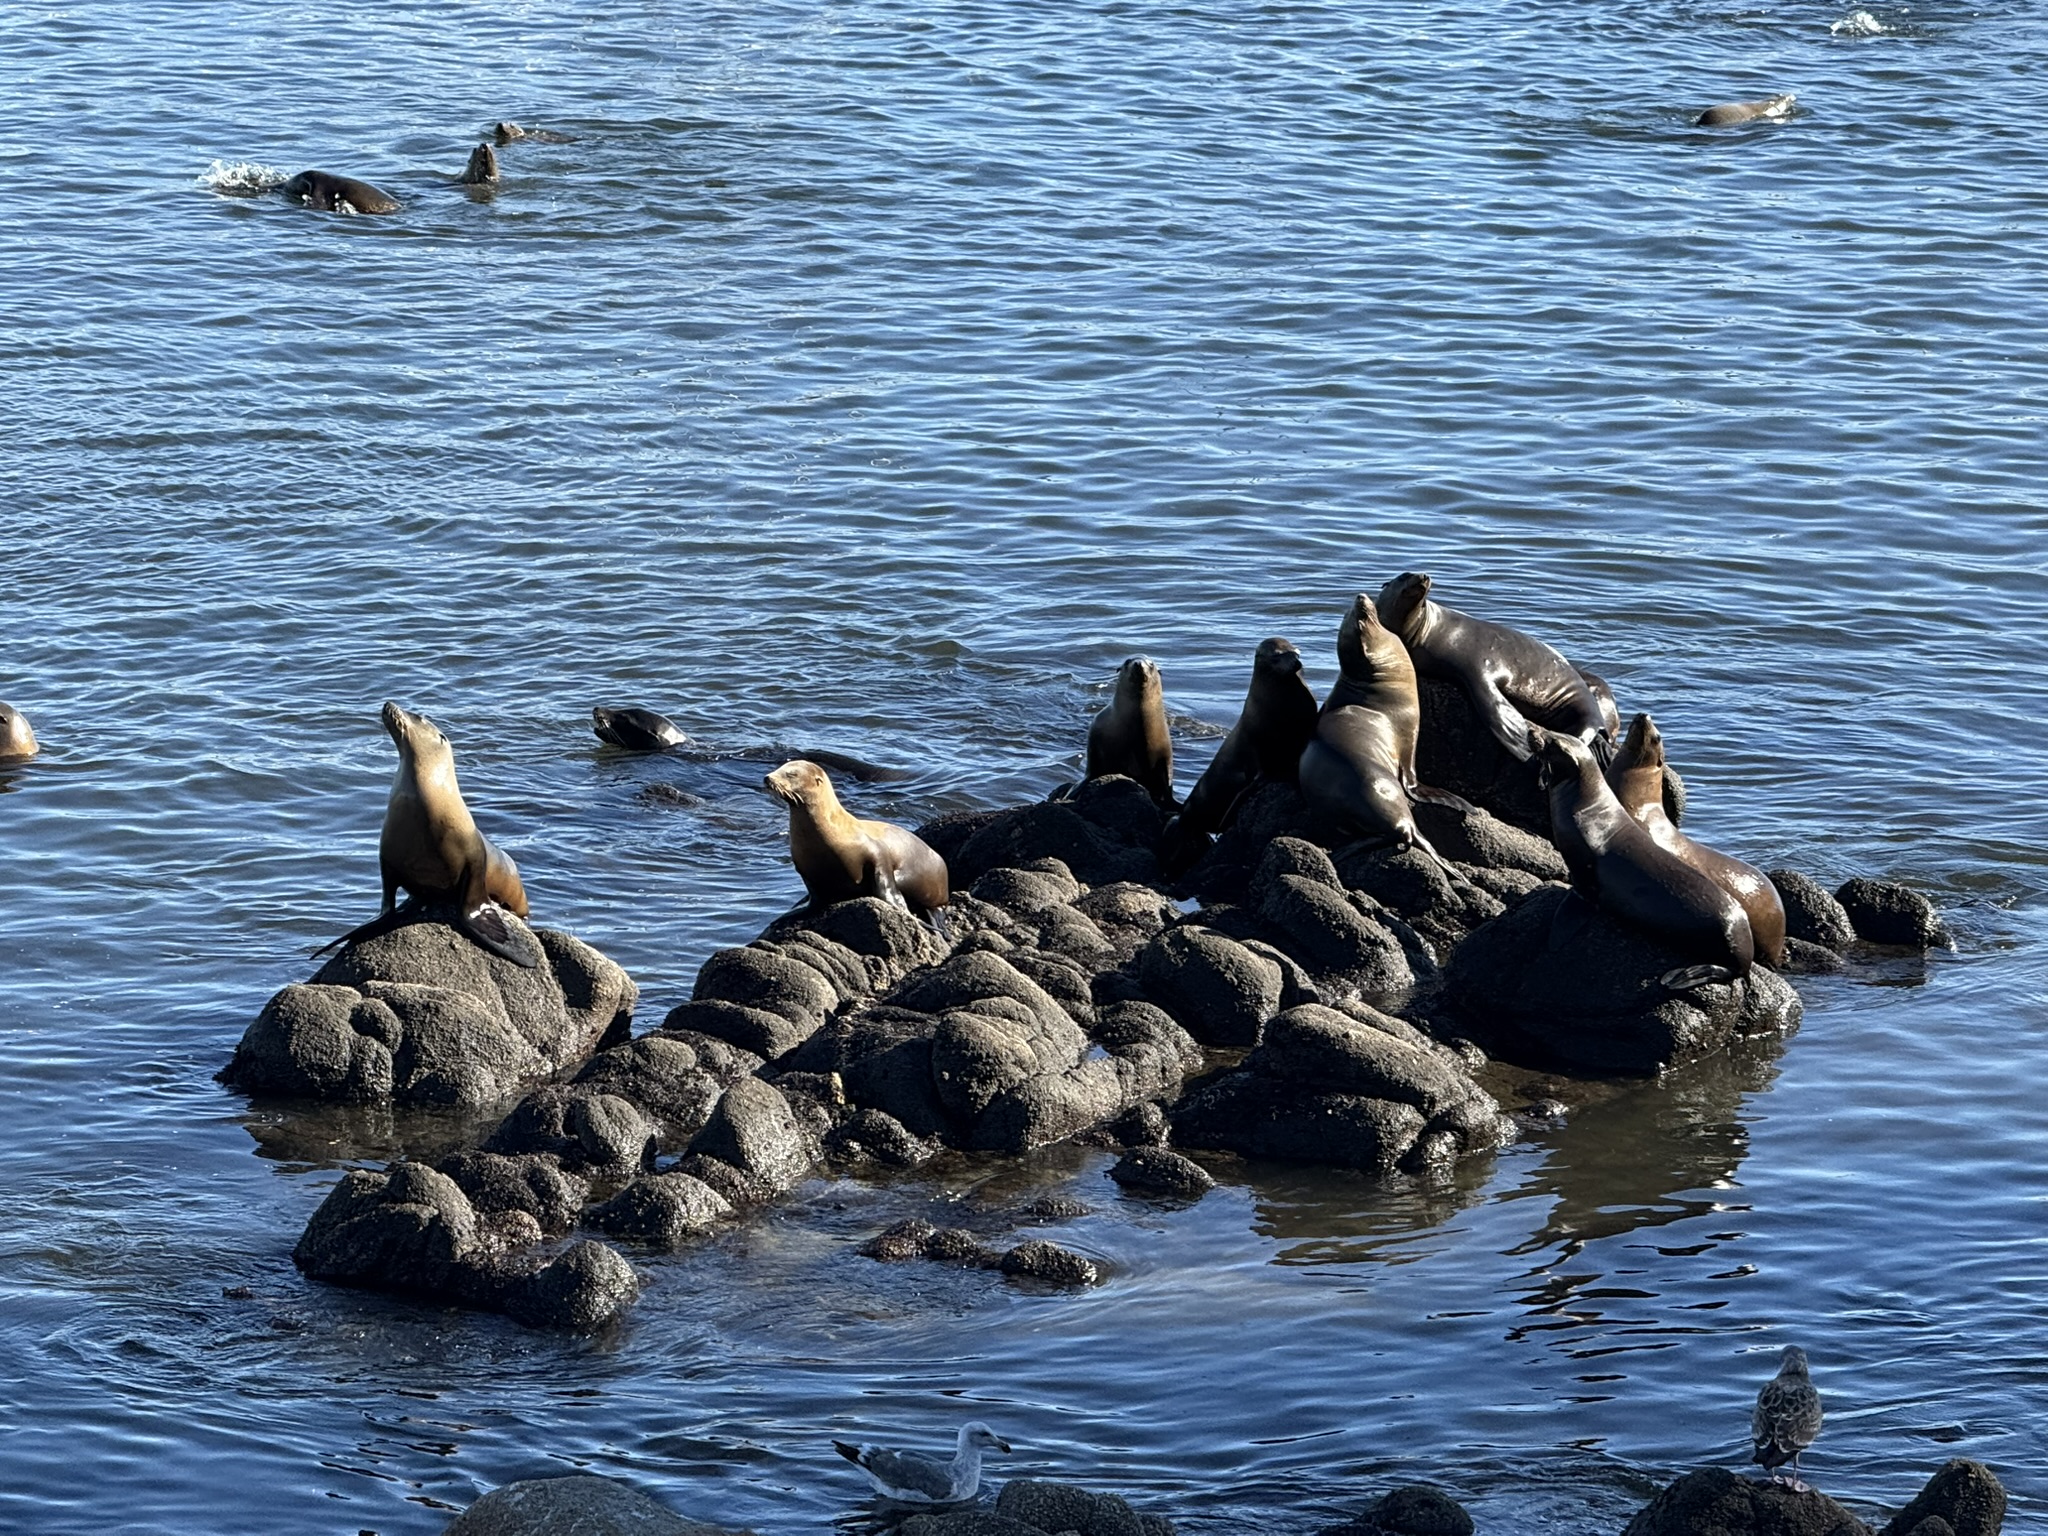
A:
(575, 1506)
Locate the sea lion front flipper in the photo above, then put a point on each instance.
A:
(882, 882)
(1685, 977)
(1423, 794)
(486, 924)
(1509, 725)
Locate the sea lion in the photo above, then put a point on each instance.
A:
(1637, 778)
(1610, 711)
(1358, 773)
(1617, 864)
(1129, 737)
(1277, 723)
(1731, 112)
(432, 848)
(637, 730)
(17, 741)
(1513, 680)
(642, 730)
(317, 189)
(482, 170)
(841, 857)
(506, 133)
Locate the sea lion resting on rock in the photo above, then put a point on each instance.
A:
(1274, 728)
(1637, 778)
(431, 846)
(1513, 680)
(642, 730)
(330, 194)
(1358, 774)
(1615, 862)
(17, 741)
(1129, 737)
(1731, 112)
(841, 857)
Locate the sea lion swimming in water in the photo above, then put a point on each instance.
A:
(840, 856)
(643, 730)
(507, 133)
(329, 194)
(637, 730)
(1277, 723)
(482, 170)
(1513, 680)
(1617, 864)
(1637, 778)
(17, 741)
(431, 846)
(1129, 737)
(1730, 113)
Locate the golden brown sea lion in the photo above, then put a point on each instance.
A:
(1731, 112)
(317, 189)
(841, 857)
(1130, 736)
(431, 846)
(17, 741)
(1637, 777)
(1277, 723)
(1617, 864)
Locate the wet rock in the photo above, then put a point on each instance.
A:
(1885, 912)
(536, 1185)
(754, 1130)
(584, 1129)
(1411, 883)
(1260, 1116)
(978, 1054)
(1214, 987)
(1333, 938)
(1142, 1125)
(1016, 838)
(585, 1289)
(1324, 1050)
(904, 1240)
(661, 1208)
(575, 1506)
(870, 1135)
(1964, 1495)
(1047, 1209)
(1037, 1259)
(1716, 1502)
(956, 1245)
(883, 1055)
(1057, 1507)
(1156, 1171)
(971, 1522)
(1804, 959)
(1578, 987)
(313, 1042)
(737, 1189)
(1810, 912)
(661, 1076)
(1416, 1510)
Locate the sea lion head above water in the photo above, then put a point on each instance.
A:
(1130, 736)
(17, 741)
(637, 730)
(1729, 113)
(482, 170)
(841, 856)
(331, 194)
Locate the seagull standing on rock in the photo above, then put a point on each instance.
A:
(1787, 1417)
(909, 1479)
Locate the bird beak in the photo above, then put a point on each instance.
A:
(1002, 1445)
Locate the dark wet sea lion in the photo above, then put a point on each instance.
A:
(1731, 112)
(317, 189)
(1358, 774)
(1513, 680)
(1129, 737)
(1277, 723)
(506, 133)
(1615, 862)
(482, 170)
(1610, 711)
(17, 741)
(637, 730)
(642, 730)
(432, 849)
(1637, 778)
(840, 856)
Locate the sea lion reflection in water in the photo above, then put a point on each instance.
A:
(841, 856)
(431, 847)
(644, 730)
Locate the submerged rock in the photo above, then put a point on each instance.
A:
(575, 1506)
(1037, 1259)
(1156, 1171)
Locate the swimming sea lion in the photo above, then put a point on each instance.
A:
(841, 857)
(1358, 773)
(505, 133)
(642, 730)
(637, 730)
(1637, 778)
(1277, 723)
(1732, 112)
(1616, 863)
(1513, 680)
(482, 170)
(1129, 737)
(431, 845)
(317, 189)
(17, 741)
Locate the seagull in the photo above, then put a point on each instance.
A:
(920, 1479)
(1787, 1417)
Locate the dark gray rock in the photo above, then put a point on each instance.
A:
(1015, 838)
(1885, 912)
(661, 1208)
(726, 1062)
(1023, 892)
(1964, 1494)
(1324, 1050)
(969, 981)
(1057, 1507)
(1295, 856)
(1416, 1510)
(1217, 990)
(661, 1076)
(1804, 959)
(1411, 883)
(575, 1506)
(316, 1042)
(757, 1031)
(534, 1184)
(1473, 837)
(1037, 1259)
(766, 981)
(1156, 1171)
(869, 1135)
(1333, 938)
(1260, 1116)
(883, 1055)
(1810, 912)
(890, 941)
(1142, 1125)
(971, 1522)
(1121, 807)
(904, 1240)
(1064, 980)
(583, 1128)
(1505, 885)
(754, 1130)
(1716, 1502)
(1069, 934)
(1578, 987)
(584, 1289)
(1127, 915)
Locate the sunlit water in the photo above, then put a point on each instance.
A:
(877, 376)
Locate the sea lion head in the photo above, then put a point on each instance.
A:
(1357, 636)
(482, 169)
(415, 735)
(1277, 658)
(1402, 602)
(1560, 759)
(505, 133)
(1643, 747)
(1137, 680)
(17, 741)
(302, 189)
(800, 783)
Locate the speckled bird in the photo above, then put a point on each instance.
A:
(1787, 1417)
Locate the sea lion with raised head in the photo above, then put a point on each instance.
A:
(507, 133)
(1358, 773)
(1729, 113)
(1277, 723)
(482, 170)
(1615, 863)
(1513, 680)
(841, 856)
(1637, 777)
(1129, 737)
(642, 730)
(432, 849)
(637, 730)
(330, 194)
(17, 741)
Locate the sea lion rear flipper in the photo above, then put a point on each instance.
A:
(383, 922)
(1686, 977)
(1423, 794)
(940, 926)
(486, 924)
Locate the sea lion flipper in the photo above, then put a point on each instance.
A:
(486, 924)
(1685, 977)
(1423, 794)
(1568, 921)
(390, 918)
(1509, 725)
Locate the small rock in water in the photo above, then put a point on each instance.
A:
(1040, 1260)
(1885, 912)
(1965, 1496)
(1811, 914)
(905, 1240)
(1416, 1510)
(1156, 1171)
